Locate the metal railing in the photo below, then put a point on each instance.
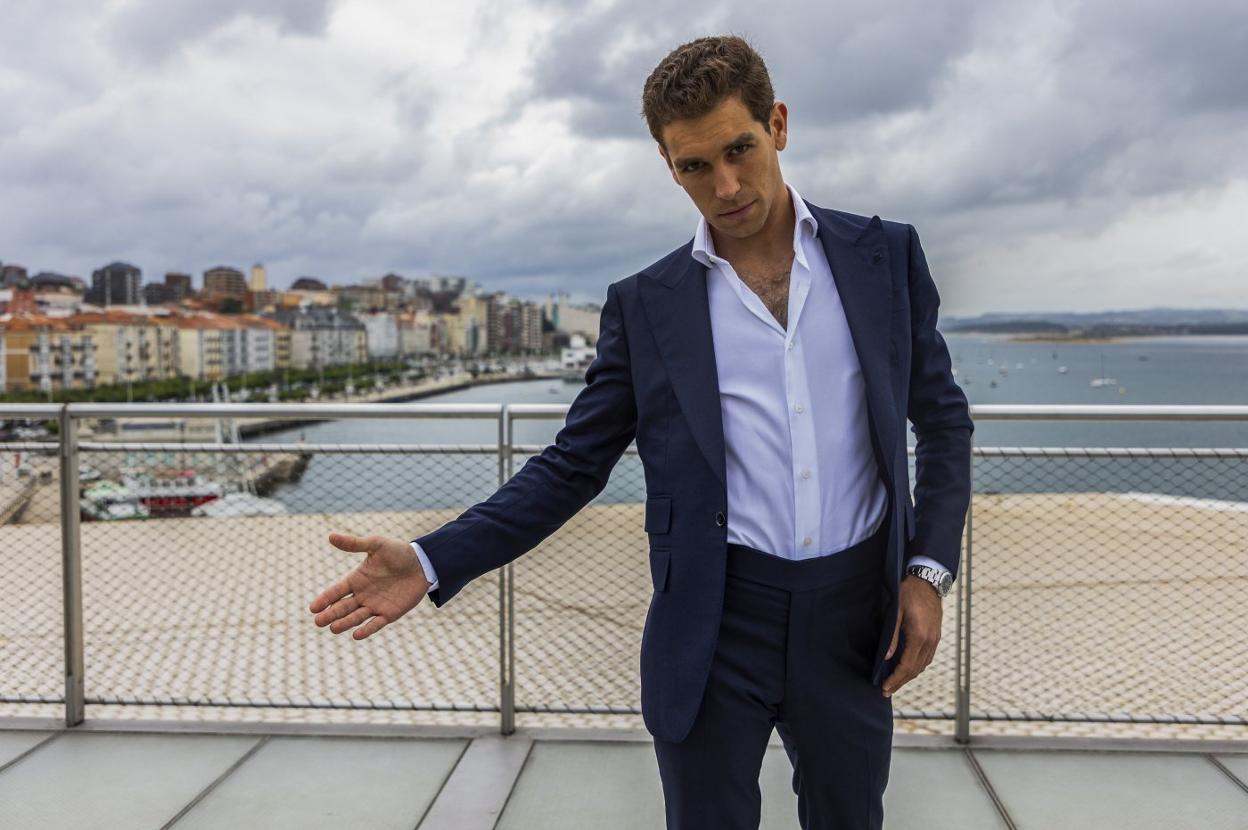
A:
(1104, 584)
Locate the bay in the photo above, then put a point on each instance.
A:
(1171, 370)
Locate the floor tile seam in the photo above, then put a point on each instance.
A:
(216, 782)
(450, 772)
(981, 775)
(1235, 779)
(29, 751)
(514, 783)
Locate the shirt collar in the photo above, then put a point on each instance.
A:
(704, 246)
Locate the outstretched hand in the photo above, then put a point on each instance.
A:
(920, 612)
(382, 588)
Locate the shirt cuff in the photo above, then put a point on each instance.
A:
(926, 560)
(425, 566)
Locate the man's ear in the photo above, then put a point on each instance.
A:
(780, 124)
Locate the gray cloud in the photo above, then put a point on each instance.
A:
(1053, 155)
(154, 29)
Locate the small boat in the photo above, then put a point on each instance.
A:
(172, 492)
(1102, 380)
(110, 501)
(1061, 370)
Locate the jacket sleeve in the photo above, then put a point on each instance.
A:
(941, 422)
(551, 487)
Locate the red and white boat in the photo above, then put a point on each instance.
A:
(172, 492)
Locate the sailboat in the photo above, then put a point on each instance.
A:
(1102, 380)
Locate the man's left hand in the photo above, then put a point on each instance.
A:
(920, 612)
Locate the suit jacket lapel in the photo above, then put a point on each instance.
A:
(676, 304)
(859, 260)
(675, 301)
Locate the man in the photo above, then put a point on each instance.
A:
(766, 369)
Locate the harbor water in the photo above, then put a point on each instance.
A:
(991, 369)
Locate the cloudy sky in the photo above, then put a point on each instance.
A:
(1053, 155)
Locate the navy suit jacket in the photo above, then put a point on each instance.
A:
(654, 379)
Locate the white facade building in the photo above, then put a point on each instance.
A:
(382, 331)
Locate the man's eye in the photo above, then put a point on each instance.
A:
(688, 168)
(742, 148)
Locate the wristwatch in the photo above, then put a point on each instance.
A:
(941, 580)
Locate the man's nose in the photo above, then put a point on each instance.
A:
(726, 185)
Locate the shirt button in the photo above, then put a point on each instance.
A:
(789, 346)
(805, 473)
(800, 409)
(721, 519)
(806, 542)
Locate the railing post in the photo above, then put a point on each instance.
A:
(71, 571)
(962, 659)
(506, 598)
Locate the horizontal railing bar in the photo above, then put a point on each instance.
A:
(1110, 452)
(285, 411)
(536, 448)
(325, 449)
(287, 704)
(29, 445)
(521, 411)
(1109, 717)
(1108, 412)
(1038, 412)
(29, 410)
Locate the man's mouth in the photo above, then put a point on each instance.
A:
(738, 212)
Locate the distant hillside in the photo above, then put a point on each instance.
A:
(1132, 323)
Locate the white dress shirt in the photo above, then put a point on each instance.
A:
(802, 479)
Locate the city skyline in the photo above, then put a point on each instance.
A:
(1069, 157)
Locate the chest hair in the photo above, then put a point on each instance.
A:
(772, 287)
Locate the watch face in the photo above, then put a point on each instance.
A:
(946, 582)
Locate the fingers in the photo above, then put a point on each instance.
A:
(338, 610)
(371, 627)
(355, 544)
(331, 594)
(351, 620)
(915, 658)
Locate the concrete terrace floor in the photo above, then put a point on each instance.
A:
(136, 774)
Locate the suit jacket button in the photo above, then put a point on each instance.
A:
(721, 519)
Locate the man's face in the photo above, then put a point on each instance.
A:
(726, 161)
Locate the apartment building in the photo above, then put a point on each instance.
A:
(131, 347)
(46, 353)
(323, 336)
(382, 332)
(201, 347)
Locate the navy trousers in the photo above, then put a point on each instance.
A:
(795, 651)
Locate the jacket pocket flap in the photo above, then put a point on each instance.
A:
(658, 514)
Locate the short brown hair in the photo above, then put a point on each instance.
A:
(696, 76)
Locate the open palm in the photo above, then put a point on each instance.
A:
(385, 586)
